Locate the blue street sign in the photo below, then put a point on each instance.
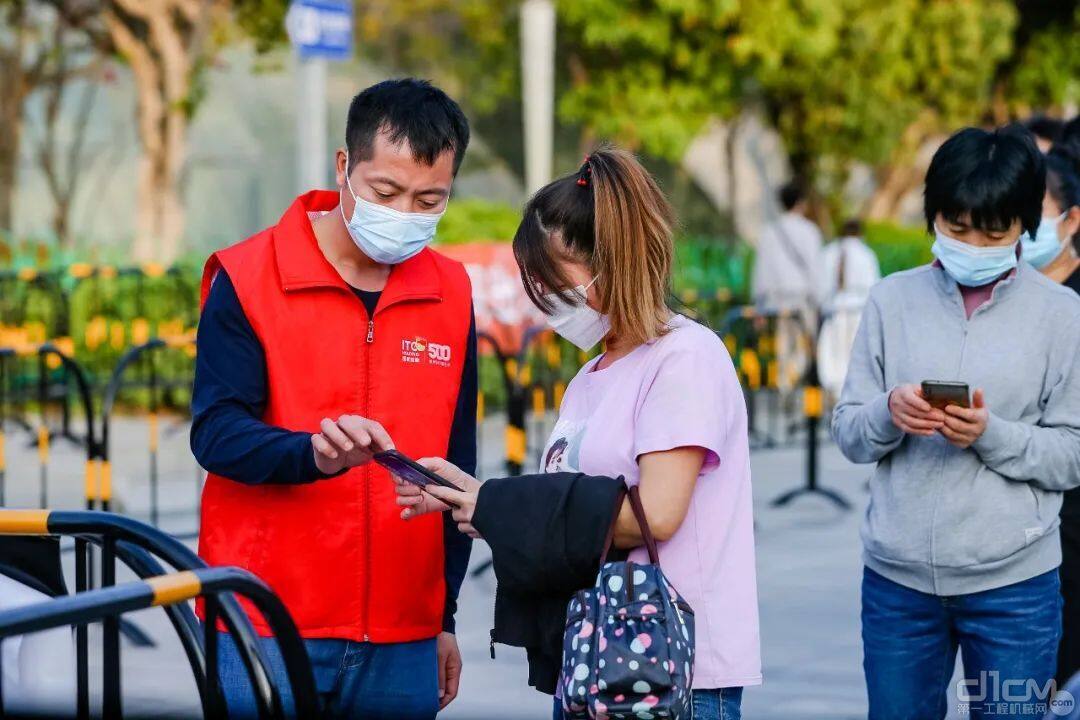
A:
(321, 28)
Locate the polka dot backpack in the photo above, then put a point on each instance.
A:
(628, 649)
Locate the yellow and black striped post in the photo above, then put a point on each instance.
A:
(91, 480)
(43, 433)
(813, 410)
(539, 415)
(4, 354)
(516, 438)
(104, 497)
(43, 464)
(152, 421)
(480, 409)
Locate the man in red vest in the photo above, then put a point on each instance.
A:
(333, 334)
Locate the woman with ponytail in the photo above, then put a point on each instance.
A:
(660, 407)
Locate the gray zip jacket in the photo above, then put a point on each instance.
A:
(944, 520)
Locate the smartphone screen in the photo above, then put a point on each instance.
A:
(940, 393)
(409, 470)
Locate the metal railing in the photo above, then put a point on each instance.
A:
(138, 545)
(147, 351)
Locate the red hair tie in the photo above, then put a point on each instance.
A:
(584, 173)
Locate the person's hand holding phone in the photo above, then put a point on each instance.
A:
(912, 414)
(347, 442)
(963, 426)
(418, 501)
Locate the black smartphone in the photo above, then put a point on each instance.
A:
(940, 393)
(409, 470)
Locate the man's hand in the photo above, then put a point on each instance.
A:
(449, 659)
(912, 414)
(964, 426)
(347, 442)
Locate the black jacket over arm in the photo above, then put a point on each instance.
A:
(546, 534)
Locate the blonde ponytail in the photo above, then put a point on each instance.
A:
(633, 247)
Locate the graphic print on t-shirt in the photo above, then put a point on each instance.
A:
(564, 445)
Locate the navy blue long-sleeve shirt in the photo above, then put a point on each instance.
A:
(229, 438)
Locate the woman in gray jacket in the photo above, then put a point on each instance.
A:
(961, 545)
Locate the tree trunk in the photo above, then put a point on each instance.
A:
(731, 165)
(904, 172)
(13, 90)
(10, 134)
(894, 183)
(162, 55)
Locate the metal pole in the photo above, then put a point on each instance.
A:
(43, 434)
(153, 438)
(3, 419)
(311, 123)
(82, 650)
(110, 642)
(538, 89)
(210, 647)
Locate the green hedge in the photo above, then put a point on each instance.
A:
(476, 220)
(898, 247)
(106, 314)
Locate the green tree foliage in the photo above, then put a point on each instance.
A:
(651, 72)
(468, 46)
(262, 20)
(843, 81)
(1043, 71)
(840, 79)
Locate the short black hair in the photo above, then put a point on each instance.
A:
(852, 227)
(1045, 127)
(792, 193)
(1062, 181)
(1069, 143)
(991, 176)
(406, 110)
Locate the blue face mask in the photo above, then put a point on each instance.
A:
(386, 235)
(1045, 246)
(969, 265)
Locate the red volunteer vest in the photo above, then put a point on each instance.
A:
(337, 551)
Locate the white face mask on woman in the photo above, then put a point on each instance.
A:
(577, 322)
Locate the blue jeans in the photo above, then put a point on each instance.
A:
(720, 704)
(1007, 637)
(396, 681)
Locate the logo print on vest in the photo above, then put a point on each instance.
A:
(416, 350)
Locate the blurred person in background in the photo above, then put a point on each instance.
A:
(848, 269)
(786, 258)
(1069, 145)
(1047, 131)
(961, 541)
(320, 340)
(1053, 251)
(784, 283)
(660, 407)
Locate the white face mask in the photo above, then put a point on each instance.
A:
(385, 235)
(577, 322)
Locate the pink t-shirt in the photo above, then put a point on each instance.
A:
(680, 390)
